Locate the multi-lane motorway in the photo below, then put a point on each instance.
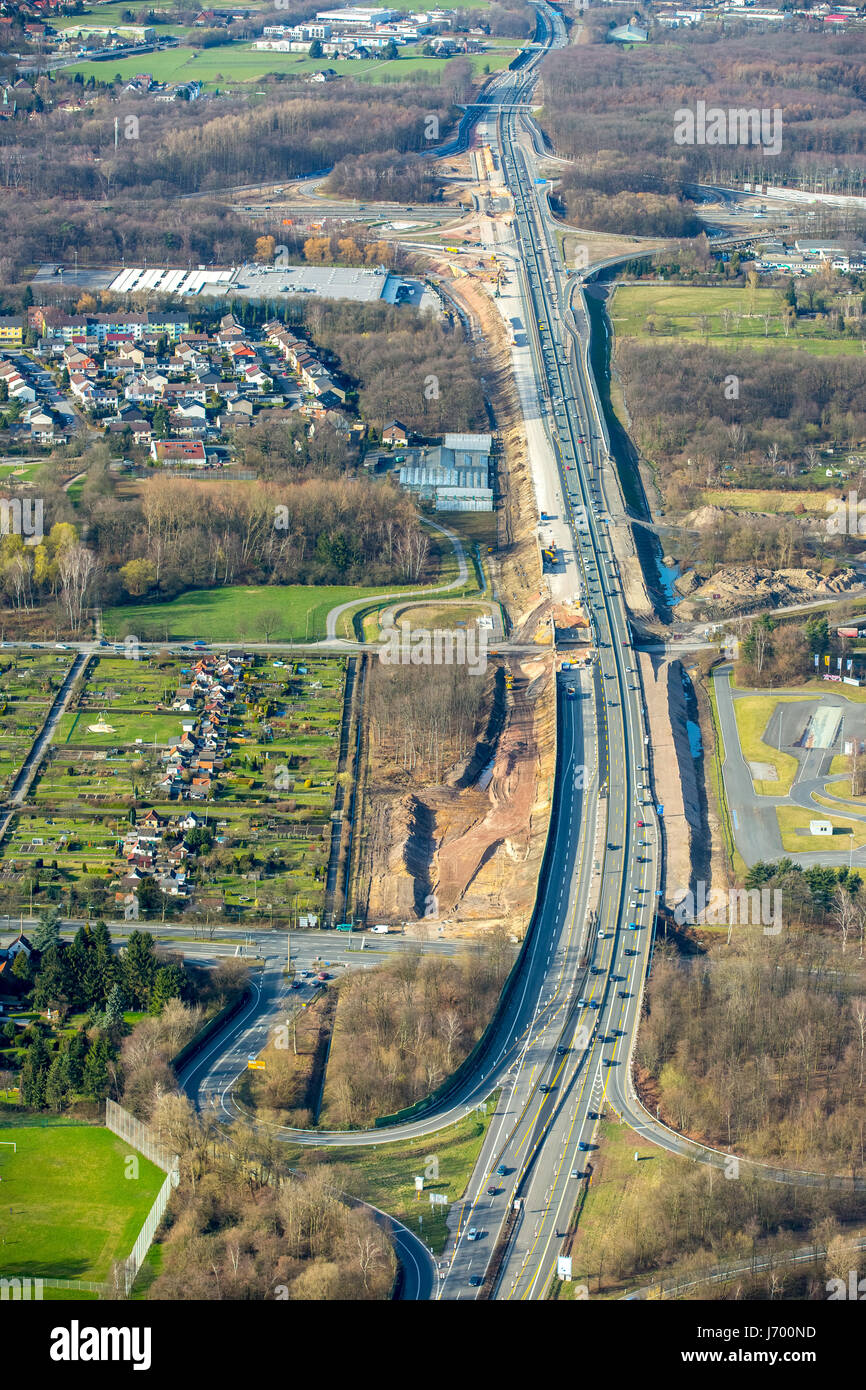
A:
(545, 1142)
(561, 1042)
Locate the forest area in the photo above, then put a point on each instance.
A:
(612, 112)
(244, 1225)
(88, 196)
(164, 541)
(403, 1028)
(790, 407)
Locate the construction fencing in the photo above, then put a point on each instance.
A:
(141, 1137)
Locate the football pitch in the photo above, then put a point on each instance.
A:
(67, 1207)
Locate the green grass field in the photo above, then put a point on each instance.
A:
(235, 614)
(677, 311)
(753, 714)
(240, 62)
(794, 820)
(67, 1208)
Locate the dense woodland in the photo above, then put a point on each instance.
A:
(789, 405)
(403, 1028)
(244, 1225)
(58, 1065)
(406, 365)
(68, 189)
(759, 1042)
(612, 111)
(190, 147)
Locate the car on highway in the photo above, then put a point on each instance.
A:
(493, 1191)
(561, 1051)
(473, 1233)
(583, 1146)
(578, 1173)
(639, 824)
(545, 1089)
(475, 1281)
(629, 952)
(502, 1171)
(624, 994)
(593, 1114)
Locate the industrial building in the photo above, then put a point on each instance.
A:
(454, 475)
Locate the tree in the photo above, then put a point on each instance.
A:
(168, 984)
(138, 576)
(96, 1077)
(817, 634)
(315, 49)
(21, 968)
(265, 248)
(57, 1082)
(53, 984)
(269, 621)
(47, 933)
(139, 969)
(76, 1056)
(34, 1073)
(114, 1007)
(844, 914)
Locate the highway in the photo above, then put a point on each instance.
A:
(566, 1026)
(546, 1147)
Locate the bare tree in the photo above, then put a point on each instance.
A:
(844, 913)
(858, 1008)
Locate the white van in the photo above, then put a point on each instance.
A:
(382, 929)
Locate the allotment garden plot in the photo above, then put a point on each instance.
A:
(28, 685)
(203, 786)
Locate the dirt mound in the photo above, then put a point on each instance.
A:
(464, 854)
(689, 582)
(742, 588)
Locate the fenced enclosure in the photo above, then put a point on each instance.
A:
(141, 1137)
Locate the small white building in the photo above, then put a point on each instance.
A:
(820, 827)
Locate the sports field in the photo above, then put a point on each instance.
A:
(67, 1207)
